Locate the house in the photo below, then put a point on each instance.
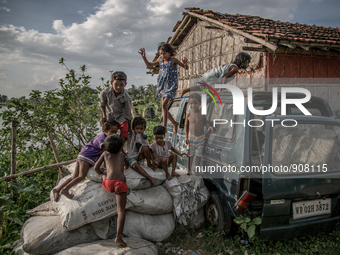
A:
(284, 53)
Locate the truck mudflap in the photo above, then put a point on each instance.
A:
(301, 177)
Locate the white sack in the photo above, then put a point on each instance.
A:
(150, 227)
(133, 179)
(90, 203)
(196, 219)
(157, 200)
(45, 209)
(189, 194)
(17, 248)
(45, 235)
(109, 247)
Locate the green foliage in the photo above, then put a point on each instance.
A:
(145, 97)
(248, 225)
(71, 114)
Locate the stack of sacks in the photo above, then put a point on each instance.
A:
(91, 214)
(189, 196)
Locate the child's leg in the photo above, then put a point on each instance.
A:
(121, 202)
(141, 171)
(189, 165)
(126, 163)
(164, 165)
(166, 114)
(56, 191)
(198, 161)
(83, 168)
(123, 131)
(173, 161)
(145, 153)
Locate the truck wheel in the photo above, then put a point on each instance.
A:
(215, 214)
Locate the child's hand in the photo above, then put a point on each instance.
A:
(211, 129)
(181, 93)
(187, 141)
(183, 154)
(102, 121)
(185, 61)
(142, 52)
(123, 152)
(155, 164)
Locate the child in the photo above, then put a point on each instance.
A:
(194, 130)
(167, 81)
(116, 104)
(220, 74)
(114, 180)
(160, 150)
(87, 157)
(138, 148)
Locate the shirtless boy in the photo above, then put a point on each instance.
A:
(114, 180)
(194, 130)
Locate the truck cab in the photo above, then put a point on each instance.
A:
(290, 164)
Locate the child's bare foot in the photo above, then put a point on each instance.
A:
(150, 165)
(174, 174)
(168, 177)
(120, 241)
(188, 173)
(175, 128)
(66, 194)
(55, 195)
(152, 180)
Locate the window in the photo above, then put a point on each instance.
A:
(224, 112)
(174, 108)
(309, 146)
(184, 115)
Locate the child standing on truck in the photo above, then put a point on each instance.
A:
(221, 74)
(167, 81)
(87, 157)
(114, 180)
(160, 151)
(194, 130)
(138, 148)
(116, 104)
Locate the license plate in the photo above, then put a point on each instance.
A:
(304, 209)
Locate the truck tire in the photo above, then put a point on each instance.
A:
(215, 214)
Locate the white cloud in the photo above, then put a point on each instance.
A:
(3, 76)
(58, 26)
(5, 9)
(110, 38)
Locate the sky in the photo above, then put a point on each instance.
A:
(106, 35)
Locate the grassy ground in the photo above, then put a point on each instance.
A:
(184, 241)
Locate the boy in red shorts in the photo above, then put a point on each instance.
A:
(114, 179)
(116, 104)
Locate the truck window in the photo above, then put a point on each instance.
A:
(313, 147)
(185, 112)
(174, 108)
(223, 131)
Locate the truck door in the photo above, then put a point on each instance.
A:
(180, 139)
(301, 173)
(174, 110)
